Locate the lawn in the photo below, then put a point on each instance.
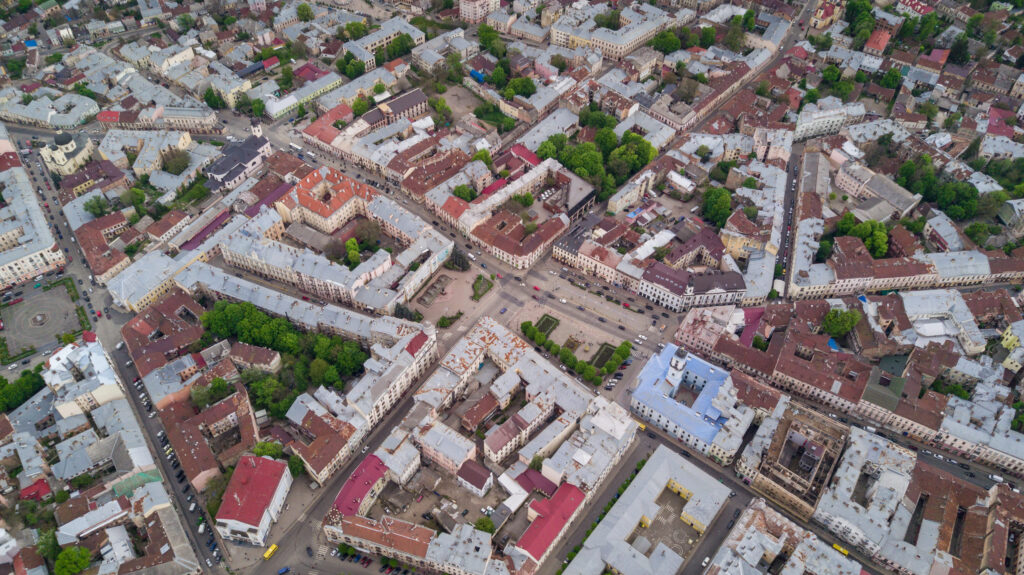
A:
(68, 283)
(604, 353)
(547, 324)
(448, 320)
(83, 317)
(481, 285)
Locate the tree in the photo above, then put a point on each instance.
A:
(360, 106)
(749, 20)
(465, 192)
(185, 22)
(521, 87)
(707, 37)
(892, 79)
(760, 343)
(47, 545)
(959, 52)
(304, 12)
(97, 206)
(258, 107)
(176, 161)
(537, 462)
(498, 77)
(665, 42)
(838, 323)
(355, 30)
(287, 78)
(703, 152)
(484, 156)
(268, 449)
(559, 61)
(488, 36)
(831, 74)
(717, 206)
(484, 524)
(811, 96)
(735, 38)
(606, 141)
(72, 560)
(213, 99)
(296, 466)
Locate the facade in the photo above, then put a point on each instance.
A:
(608, 548)
(713, 424)
(67, 154)
(253, 500)
(27, 246)
(475, 11)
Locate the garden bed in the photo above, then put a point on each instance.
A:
(604, 353)
(547, 324)
(481, 285)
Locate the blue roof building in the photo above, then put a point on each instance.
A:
(713, 423)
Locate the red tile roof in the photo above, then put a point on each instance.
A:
(252, 488)
(878, 41)
(108, 116)
(416, 343)
(370, 471)
(552, 516)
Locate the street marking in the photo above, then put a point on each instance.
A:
(321, 552)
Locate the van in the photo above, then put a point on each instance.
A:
(996, 478)
(192, 508)
(870, 429)
(119, 345)
(202, 528)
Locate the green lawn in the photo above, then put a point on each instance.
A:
(481, 285)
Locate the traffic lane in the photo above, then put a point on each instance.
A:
(153, 426)
(308, 529)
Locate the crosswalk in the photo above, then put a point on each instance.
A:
(321, 552)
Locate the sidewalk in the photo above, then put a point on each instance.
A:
(301, 498)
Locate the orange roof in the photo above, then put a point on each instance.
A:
(325, 191)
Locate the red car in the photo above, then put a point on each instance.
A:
(536, 288)
(624, 304)
(99, 313)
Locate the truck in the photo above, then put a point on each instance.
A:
(478, 76)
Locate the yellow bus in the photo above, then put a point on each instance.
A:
(270, 552)
(837, 547)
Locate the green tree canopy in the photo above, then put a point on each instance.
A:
(484, 524)
(268, 449)
(72, 560)
(838, 323)
(304, 12)
(717, 206)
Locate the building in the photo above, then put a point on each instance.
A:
(362, 488)
(638, 24)
(825, 117)
(67, 154)
(253, 500)
(27, 246)
(475, 11)
(714, 421)
(475, 478)
(765, 536)
(239, 161)
(624, 542)
(864, 520)
(768, 459)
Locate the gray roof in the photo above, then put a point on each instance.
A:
(607, 546)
